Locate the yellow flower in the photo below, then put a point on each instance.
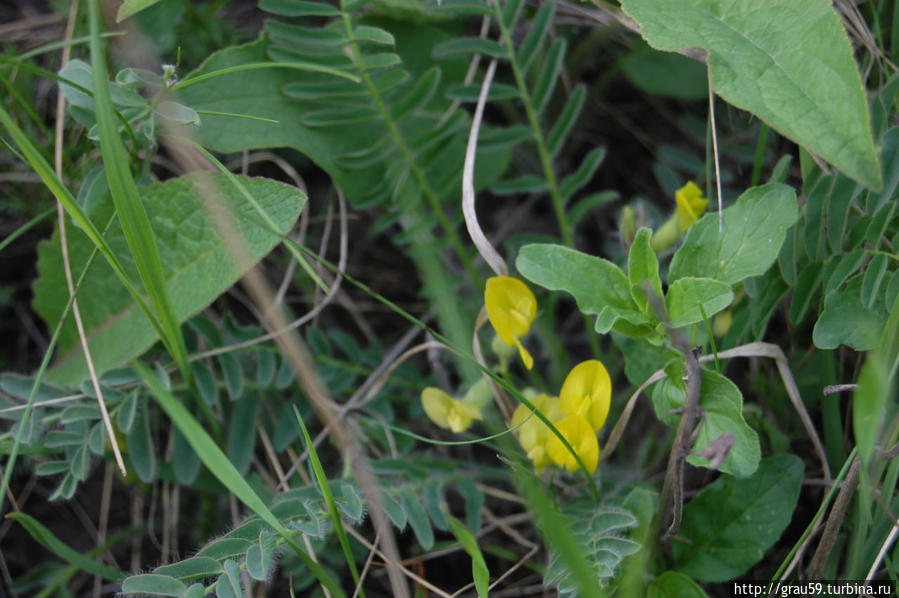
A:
(533, 433)
(582, 438)
(447, 412)
(511, 307)
(587, 391)
(690, 205)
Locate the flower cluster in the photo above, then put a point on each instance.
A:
(577, 413)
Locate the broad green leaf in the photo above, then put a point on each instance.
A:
(153, 584)
(131, 7)
(195, 260)
(643, 270)
(666, 73)
(673, 584)
(846, 321)
(846, 267)
(479, 571)
(731, 523)
(49, 541)
(754, 230)
(598, 285)
(689, 297)
(759, 60)
(192, 569)
(722, 412)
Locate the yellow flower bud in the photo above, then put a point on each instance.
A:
(582, 438)
(447, 412)
(587, 391)
(511, 308)
(690, 205)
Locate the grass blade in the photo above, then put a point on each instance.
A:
(325, 487)
(479, 572)
(49, 541)
(130, 210)
(219, 465)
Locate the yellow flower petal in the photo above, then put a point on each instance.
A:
(690, 205)
(511, 308)
(447, 412)
(587, 391)
(582, 438)
(437, 405)
(533, 433)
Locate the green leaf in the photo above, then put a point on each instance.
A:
(375, 35)
(229, 582)
(196, 264)
(688, 297)
(259, 557)
(132, 7)
(760, 62)
(643, 270)
(873, 279)
(219, 465)
(298, 8)
(242, 431)
(191, 569)
(140, 446)
(598, 285)
(49, 541)
(722, 412)
(731, 523)
(598, 533)
(418, 518)
(225, 548)
(419, 96)
(546, 82)
(566, 120)
(846, 267)
(533, 41)
(666, 73)
(672, 584)
(469, 45)
(479, 571)
(576, 180)
(130, 211)
(846, 321)
(806, 284)
(154, 585)
(754, 230)
(527, 183)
